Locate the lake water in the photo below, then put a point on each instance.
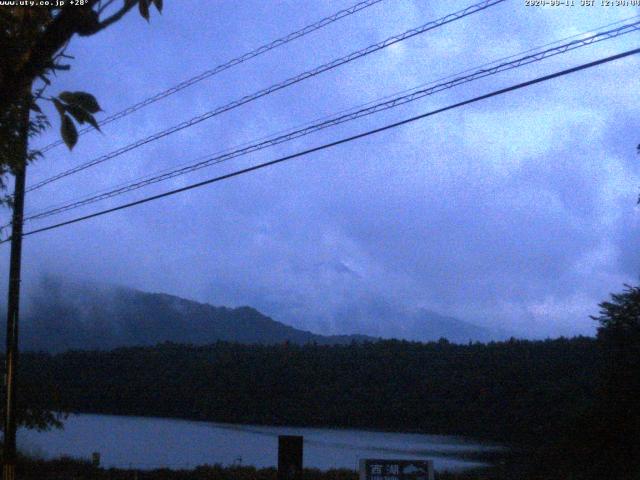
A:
(147, 443)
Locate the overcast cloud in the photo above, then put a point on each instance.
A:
(517, 212)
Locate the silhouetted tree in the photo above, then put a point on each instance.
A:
(34, 40)
(617, 403)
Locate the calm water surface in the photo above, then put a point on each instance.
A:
(148, 443)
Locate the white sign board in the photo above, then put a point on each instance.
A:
(374, 469)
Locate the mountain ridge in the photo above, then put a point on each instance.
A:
(63, 315)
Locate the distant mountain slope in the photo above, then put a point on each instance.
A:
(424, 325)
(63, 315)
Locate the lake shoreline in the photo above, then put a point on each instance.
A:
(209, 442)
(462, 439)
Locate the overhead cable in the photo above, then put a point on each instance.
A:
(382, 106)
(273, 88)
(337, 142)
(224, 66)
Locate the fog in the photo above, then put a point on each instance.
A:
(516, 213)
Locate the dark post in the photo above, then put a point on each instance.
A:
(11, 361)
(289, 457)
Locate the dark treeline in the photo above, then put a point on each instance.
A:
(507, 391)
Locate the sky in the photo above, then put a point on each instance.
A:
(518, 212)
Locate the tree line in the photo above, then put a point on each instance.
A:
(504, 391)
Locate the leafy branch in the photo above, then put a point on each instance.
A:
(34, 44)
(79, 106)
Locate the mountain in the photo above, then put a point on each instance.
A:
(385, 320)
(63, 315)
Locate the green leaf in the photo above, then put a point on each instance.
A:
(82, 99)
(67, 97)
(79, 113)
(68, 132)
(143, 5)
(88, 102)
(158, 4)
(92, 121)
(77, 110)
(59, 106)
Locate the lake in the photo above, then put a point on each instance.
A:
(148, 443)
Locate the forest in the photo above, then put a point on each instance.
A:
(515, 390)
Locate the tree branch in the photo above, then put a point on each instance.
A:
(106, 5)
(57, 34)
(128, 5)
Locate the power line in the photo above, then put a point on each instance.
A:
(338, 142)
(389, 104)
(273, 88)
(318, 70)
(231, 63)
(325, 117)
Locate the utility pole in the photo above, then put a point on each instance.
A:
(11, 360)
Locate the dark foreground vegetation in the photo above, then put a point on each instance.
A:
(70, 469)
(503, 391)
(74, 469)
(566, 407)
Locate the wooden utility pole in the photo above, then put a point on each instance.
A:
(13, 304)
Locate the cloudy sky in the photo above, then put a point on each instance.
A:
(517, 212)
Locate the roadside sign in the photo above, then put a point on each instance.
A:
(374, 469)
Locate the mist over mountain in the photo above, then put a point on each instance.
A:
(386, 320)
(424, 325)
(60, 315)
